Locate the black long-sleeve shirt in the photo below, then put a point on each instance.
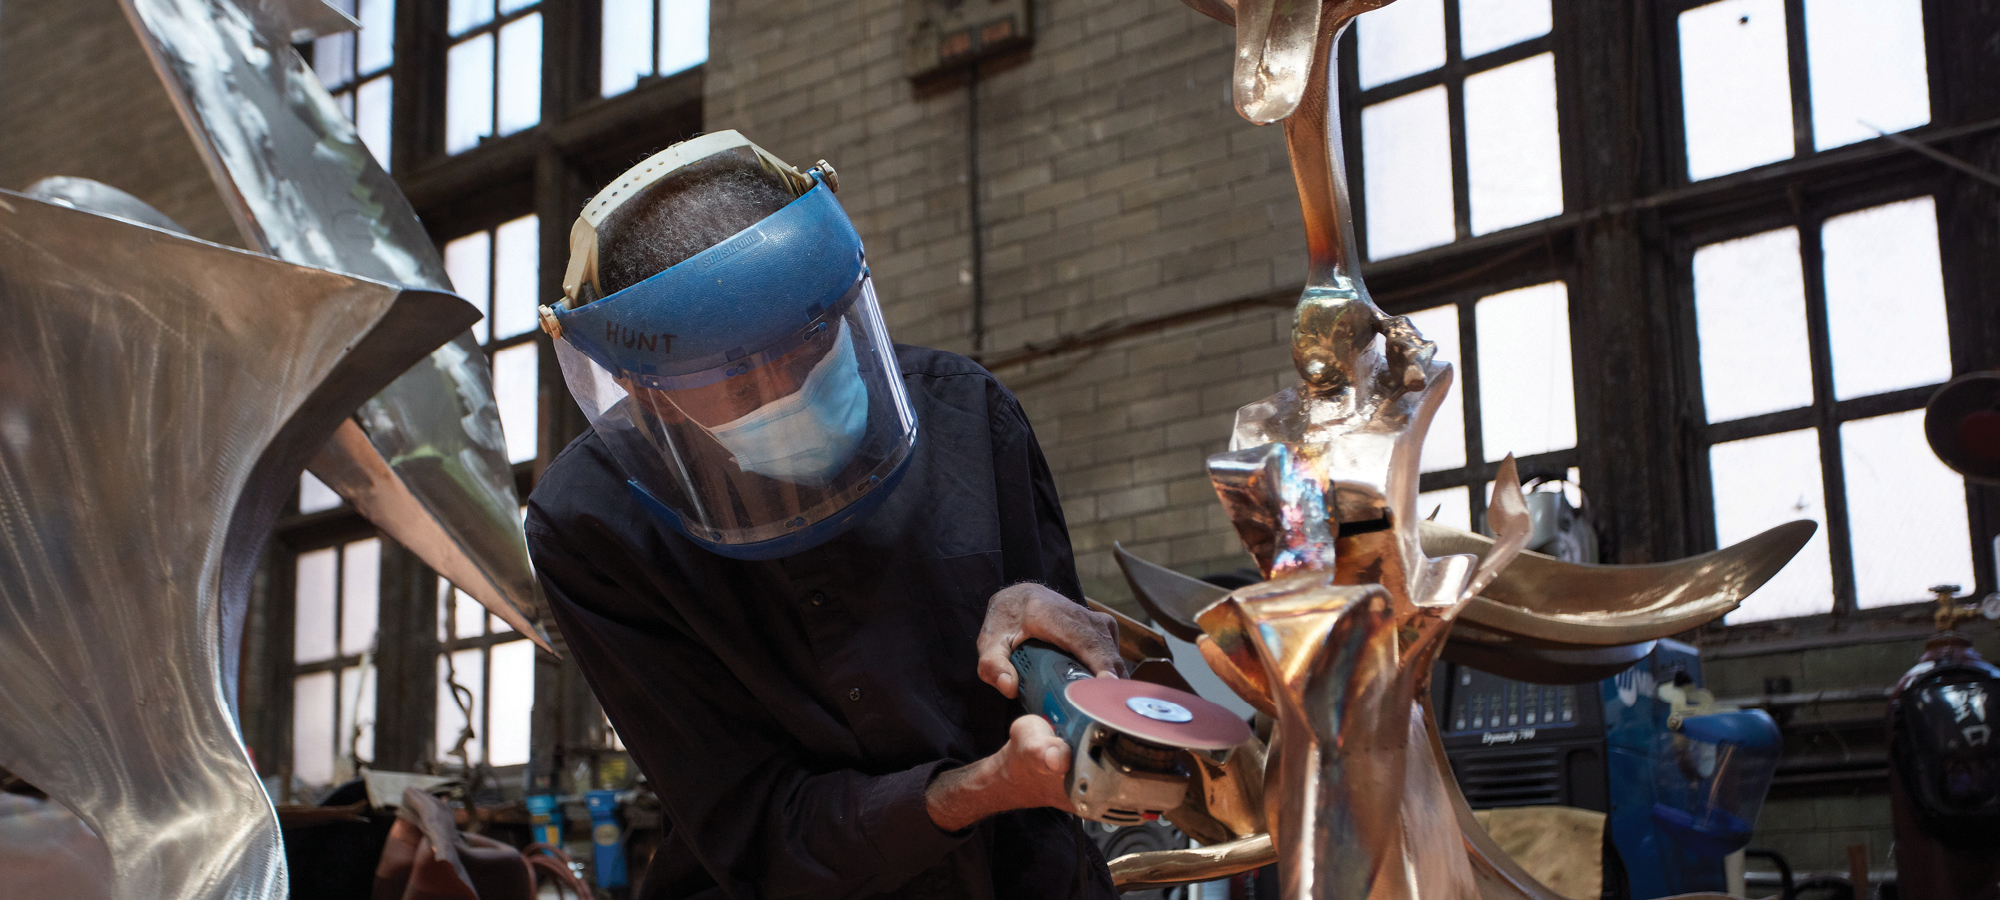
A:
(790, 713)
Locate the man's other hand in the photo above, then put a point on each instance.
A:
(1029, 610)
(1026, 773)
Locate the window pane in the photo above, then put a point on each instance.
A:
(457, 606)
(513, 701)
(508, 6)
(467, 14)
(1885, 299)
(517, 252)
(468, 260)
(1764, 482)
(371, 117)
(312, 728)
(1488, 25)
(1736, 92)
(468, 105)
(1527, 404)
(1444, 445)
(627, 52)
(1513, 159)
(521, 74)
(1406, 152)
(333, 59)
(1400, 40)
(471, 676)
(360, 595)
(357, 707)
(377, 35)
(1865, 66)
(1450, 506)
(516, 392)
(1905, 511)
(314, 495)
(312, 625)
(1750, 319)
(683, 34)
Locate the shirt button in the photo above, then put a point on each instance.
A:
(854, 694)
(817, 597)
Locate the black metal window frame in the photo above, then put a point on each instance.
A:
(501, 19)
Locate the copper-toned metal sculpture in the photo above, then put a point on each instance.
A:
(159, 396)
(1337, 644)
(424, 459)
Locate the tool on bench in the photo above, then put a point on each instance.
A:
(1130, 737)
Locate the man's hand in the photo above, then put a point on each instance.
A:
(1026, 773)
(1029, 610)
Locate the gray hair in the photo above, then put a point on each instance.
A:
(689, 211)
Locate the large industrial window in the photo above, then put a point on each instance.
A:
(486, 679)
(650, 38)
(1813, 411)
(1458, 124)
(1747, 99)
(355, 67)
(493, 71)
(337, 596)
(498, 270)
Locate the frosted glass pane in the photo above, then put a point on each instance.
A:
(313, 610)
(627, 52)
(357, 708)
(314, 495)
(1399, 40)
(1865, 67)
(467, 14)
(516, 391)
(521, 74)
(1750, 317)
(333, 59)
(1488, 25)
(468, 104)
(1406, 159)
(683, 34)
(470, 675)
(513, 702)
(517, 252)
(495, 626)
(1512, 156)
(1885, 299)
(371, 117)
(1444, 445)
(360, 595)
(457, 607)
(468, 260)
(1736, 95)
(312, 728)
(1764, 482)
(1527, 403)
(377, 36)
(1449, 506)
(1905, 511)
(508, 6)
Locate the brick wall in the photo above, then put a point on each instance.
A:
(1117, 184)
(78, 97)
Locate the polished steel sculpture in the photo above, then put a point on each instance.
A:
(1337, 644)
(424, 459)
(159, 396)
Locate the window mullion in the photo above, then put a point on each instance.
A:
(1795, 58)
(1454, 86)
(1832, 474)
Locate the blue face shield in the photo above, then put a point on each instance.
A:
(749, 394)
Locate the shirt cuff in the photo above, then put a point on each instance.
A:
(898, 821)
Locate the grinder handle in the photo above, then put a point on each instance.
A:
(1044, 672)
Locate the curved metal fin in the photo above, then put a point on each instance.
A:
(298, 21)
(1275, 41)
(1558, 603)
(1172, 599)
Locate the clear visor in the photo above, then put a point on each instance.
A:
(766, 446)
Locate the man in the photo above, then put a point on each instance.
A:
(788, 554)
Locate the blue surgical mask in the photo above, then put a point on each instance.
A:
(805, 437)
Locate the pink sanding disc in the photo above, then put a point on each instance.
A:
(1157, 713)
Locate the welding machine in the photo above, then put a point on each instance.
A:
(1679, 779)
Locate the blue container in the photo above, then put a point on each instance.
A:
(545, 818)
(607, 838)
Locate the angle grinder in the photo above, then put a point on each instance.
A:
(1129, 737)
